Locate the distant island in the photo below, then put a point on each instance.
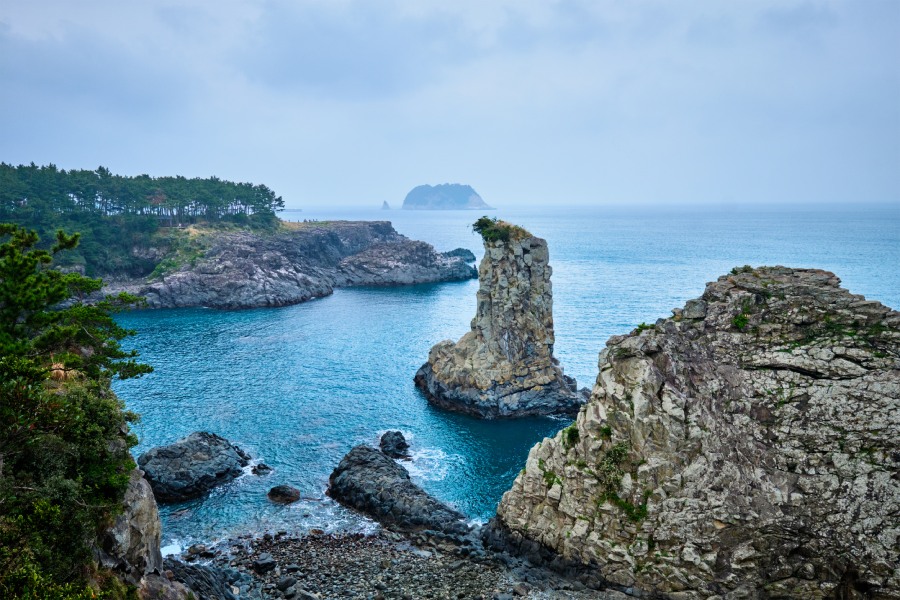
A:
(446, 196)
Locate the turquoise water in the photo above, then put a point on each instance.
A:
(299, 386)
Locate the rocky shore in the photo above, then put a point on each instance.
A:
(745, 448)
(386, 565)
(301, 261)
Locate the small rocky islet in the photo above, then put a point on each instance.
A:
(746, 447)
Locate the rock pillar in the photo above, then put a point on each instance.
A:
(504, 366)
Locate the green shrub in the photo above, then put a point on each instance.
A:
(492, 230)
(570, 436)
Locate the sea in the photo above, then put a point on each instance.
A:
(298, 386)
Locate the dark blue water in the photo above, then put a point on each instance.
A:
(299, 386)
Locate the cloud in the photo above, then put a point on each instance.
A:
(583, 100)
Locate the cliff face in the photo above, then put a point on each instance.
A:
(747, 447)
(243, 269)
(504, 366)
(131, 545)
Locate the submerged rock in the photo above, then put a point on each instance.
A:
(394, 444)
(746, 448)
(191, 466)
(504, 367)
(284, 494)
(370, 482)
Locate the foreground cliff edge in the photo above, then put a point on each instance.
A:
(747, 447)
(504, 366)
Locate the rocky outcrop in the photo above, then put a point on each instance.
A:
(370, 482)
(504, 367)
(242, 269)
(130, 547)
(393, 444)
(401, 264)
(191, 466)
(446, 196)
(747, 447)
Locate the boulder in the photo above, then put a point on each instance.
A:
(283, 494)
(264, 563)
(504, 366)
(370, 482)
(191, 466)
(211, 582)
(393, 444)
(747, 447)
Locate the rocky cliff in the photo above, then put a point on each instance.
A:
(130, 547)
(747, 447)
(504, 366)
(241, 269)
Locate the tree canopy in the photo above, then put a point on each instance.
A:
(117, 213)
(64, 458)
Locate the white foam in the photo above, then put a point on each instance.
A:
(430, 464)
(170, 549)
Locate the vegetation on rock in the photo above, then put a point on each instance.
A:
(493, 229)
(64, 441)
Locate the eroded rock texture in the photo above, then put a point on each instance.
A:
(747, 447)
(369, 481)
(191, 466)
(504, 367)
(243, 269)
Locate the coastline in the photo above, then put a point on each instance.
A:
(386, 564)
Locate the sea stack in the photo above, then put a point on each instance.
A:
(504, 366)
(746, 447)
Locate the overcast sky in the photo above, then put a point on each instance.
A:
(569, 102)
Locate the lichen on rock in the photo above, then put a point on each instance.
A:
(504, 366)
(746, 447)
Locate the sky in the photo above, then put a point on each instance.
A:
(565, 102)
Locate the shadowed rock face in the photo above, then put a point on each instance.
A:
(191, 466)
(504, 367)
(746, 447)
(372, 483)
